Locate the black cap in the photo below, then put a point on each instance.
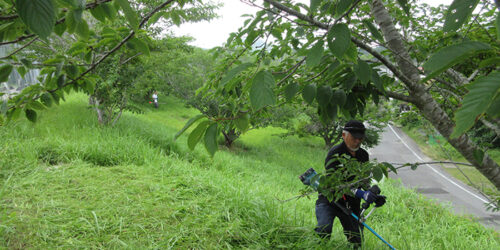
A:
(356, 128)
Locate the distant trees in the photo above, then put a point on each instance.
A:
(71, 38)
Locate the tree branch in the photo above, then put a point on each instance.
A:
(88, 6)
(356, 41)
(293, 70)
(19, 49)
(118, 46)
(397, 96)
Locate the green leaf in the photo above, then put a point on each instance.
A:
(156, 16)
(27, 63)
(82, 29)
(242, 122)
(46, 99)
(363, 71)
(384, 170)
(77, 15)
(196, 134)
(109, 10)
(22, 71)
(187, 125)
(349, 81)
(211, 139)
(476, 102)
(478, 155)
(130, 14)
(339, 97)
(71, 22)
(373, 30)
(309, 93)
(315, 54)
(31, 115)
(497, 23)
(60, 28)
(71, 70)
(377, 173)
(39, 16)
(56, 97)
(261, 92)
(413, 166)
(291, 90)
(342, 7)
(494, 61)
(36, 105)
(252, 34)
(176, 19)
(4, 26)
(377, 81)
(140, 45)
(61, 79)
(451, 55)
(98, 13)
(331, 110)
(390, 166)
(4, 108)
(314, 5)
(5, 72)
(404, 5)
(494, 109)
(13, 114)
(339, 39)
(458, 12)
(235, 71)
(323, 95)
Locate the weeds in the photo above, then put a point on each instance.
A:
(67, 183)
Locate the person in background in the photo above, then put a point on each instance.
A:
(353, 135)
(155, 98)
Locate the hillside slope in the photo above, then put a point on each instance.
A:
(66, 182)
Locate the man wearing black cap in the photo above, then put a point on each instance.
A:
(353, 135)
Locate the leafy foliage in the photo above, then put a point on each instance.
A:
(78, 37)
(481, 95)
(333, 182)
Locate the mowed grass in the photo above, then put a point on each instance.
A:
(66, 182)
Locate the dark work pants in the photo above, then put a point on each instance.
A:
(326, 213)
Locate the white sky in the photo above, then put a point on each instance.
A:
(215, 33)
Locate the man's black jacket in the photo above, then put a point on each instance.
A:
(335, 151)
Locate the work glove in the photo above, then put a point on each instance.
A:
(368, 196)
(375, 189)
(380, 201)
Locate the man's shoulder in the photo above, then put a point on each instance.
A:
(363, 155)
(336, 149)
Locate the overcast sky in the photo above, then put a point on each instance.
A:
(215, 33)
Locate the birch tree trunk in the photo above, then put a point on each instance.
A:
(423, 100)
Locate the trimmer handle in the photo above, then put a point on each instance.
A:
(365, 205)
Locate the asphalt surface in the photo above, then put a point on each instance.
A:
(431, 180)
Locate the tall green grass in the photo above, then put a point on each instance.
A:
(67, 182)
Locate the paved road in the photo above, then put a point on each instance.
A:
(431, 180)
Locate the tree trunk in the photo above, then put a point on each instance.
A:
(229, 137)
(423, 100)
(94, 102)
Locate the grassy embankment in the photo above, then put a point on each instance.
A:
(66, 182)
(438, 149)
